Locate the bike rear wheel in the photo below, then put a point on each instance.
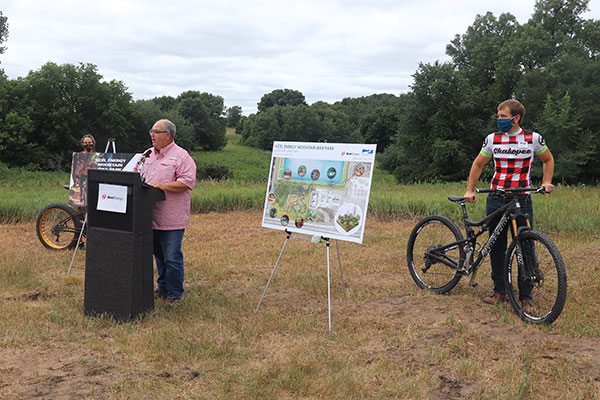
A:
(428, 273)
(546, 277)
(58, 226)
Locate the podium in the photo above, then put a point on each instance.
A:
(119, 273)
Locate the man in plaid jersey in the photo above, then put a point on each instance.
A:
(513, 150)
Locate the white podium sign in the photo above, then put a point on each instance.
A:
(112, 198)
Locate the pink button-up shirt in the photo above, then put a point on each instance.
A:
(172, 164)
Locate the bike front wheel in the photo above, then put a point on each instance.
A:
(427, 247)
(534, 269)
(58, 226)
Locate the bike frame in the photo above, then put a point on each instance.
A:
(509, 212)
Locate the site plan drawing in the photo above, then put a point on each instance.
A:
(319, 189)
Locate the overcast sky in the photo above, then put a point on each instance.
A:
(241, 50)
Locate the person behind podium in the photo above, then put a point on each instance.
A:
(170, 168)
(88, 143)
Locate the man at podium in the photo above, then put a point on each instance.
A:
(170, 168)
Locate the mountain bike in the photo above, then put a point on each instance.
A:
(58, 226)
(438, 256)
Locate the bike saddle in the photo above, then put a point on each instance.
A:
(456, 199)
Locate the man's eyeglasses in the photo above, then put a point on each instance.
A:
(156, 132)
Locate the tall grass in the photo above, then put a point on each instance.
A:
(229, 195)
(24, 193)
(569, 209)
(247, 164)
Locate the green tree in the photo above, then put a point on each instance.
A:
(287, 123)
(486, 58)
(356, 108)
(439, 132)
(452, 106)
(233, 115)
(281, 97)
(335, 124)
(239, 129)
(561, 55)
(166, 103)
(380, 127)
(3, 35)
(44, 115)
(572, 147)
(147, 112)
(204, 112)
(561, 71)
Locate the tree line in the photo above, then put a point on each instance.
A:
(44, 115)
(551, 64)
(283, 114)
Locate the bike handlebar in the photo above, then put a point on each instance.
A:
(512, 190)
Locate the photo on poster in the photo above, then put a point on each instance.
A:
(84, 161)
(320, 189)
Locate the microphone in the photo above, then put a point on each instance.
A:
(143, 158)
(141, 161)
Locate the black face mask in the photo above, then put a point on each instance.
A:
(89, 147)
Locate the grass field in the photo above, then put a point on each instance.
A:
(389, 339)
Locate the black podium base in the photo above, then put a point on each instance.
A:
(118, 274)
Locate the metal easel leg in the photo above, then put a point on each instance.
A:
(289, 234)
(108, 143)
(337, 246)
(78, 241)
(328, 286)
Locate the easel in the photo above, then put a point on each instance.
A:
(111, 140)
(114, 150)
(327, 243)
(78, 242)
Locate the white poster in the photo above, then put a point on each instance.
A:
(112, 198)
(320, 189)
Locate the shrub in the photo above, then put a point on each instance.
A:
(213, 171)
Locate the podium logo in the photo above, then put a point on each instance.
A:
(104, 197)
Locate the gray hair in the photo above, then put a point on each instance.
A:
(169, 126)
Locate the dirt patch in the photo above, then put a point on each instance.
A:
(56, 372)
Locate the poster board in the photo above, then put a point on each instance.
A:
(319, 189)
(84, 161)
